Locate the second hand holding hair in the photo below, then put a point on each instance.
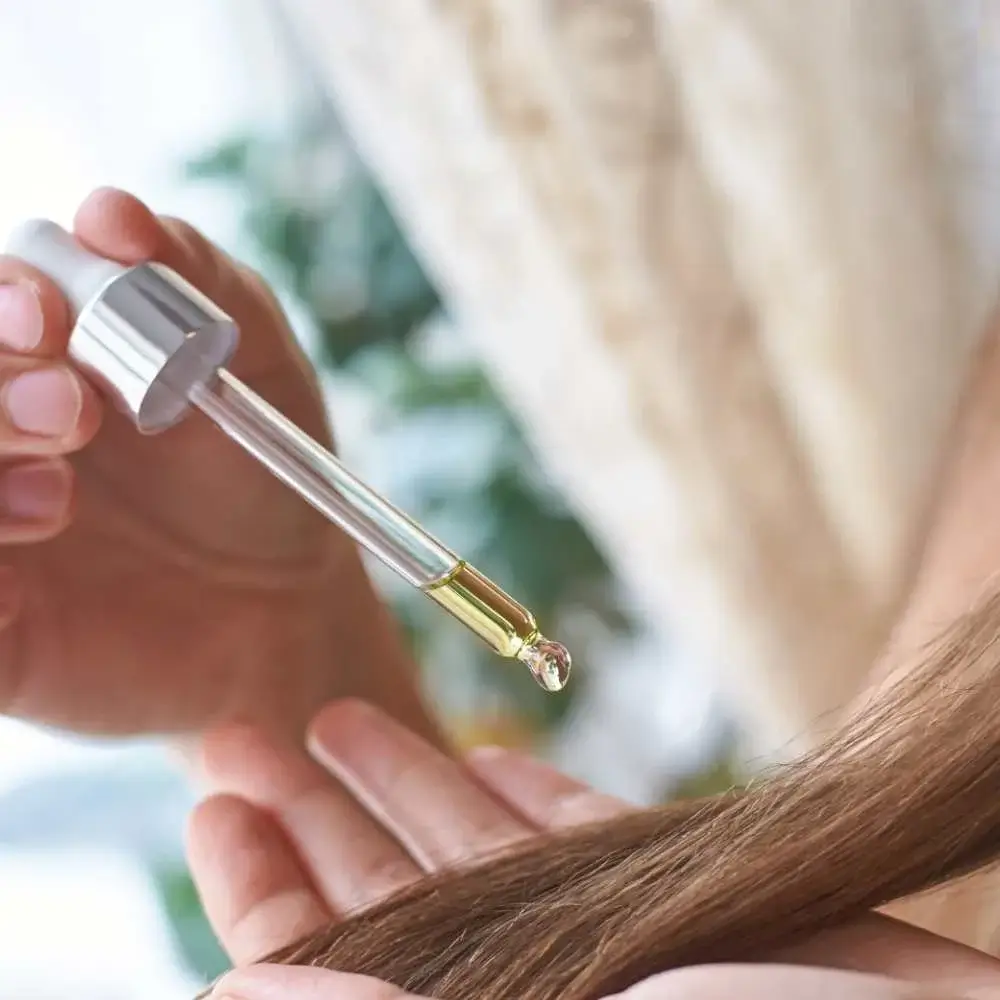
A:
(157, 346)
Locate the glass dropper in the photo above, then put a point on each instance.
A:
(157, 345)
(323, 481)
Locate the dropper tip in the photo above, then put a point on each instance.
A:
(549, 662)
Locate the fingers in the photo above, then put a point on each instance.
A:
(877, 944)
(722, 982)
(425, 799)
(119, 226)
(34, 316)
(271, 872)
(45, 407)
(763, 982)
(284, 982)
(46, 410)
(546, 798)
(36, 500)
(398, 808)
(274, 982)
(256, 893)
(351, 860)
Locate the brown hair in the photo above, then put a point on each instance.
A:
(904, 798)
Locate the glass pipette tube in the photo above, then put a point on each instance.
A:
(390, 535)
(155, 343)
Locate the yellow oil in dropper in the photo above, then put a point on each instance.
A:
(156, 345)
(507, 627)
(501, 623)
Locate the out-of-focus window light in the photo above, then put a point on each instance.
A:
(117, 92)
(38, 174)
(79, 926)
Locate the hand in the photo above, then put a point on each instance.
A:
(749, 982)
(282, 850)
(189, 586)
(962, 546)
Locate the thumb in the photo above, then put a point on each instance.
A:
(764, 982)
(297, 982)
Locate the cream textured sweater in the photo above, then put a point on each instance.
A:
(729, 260)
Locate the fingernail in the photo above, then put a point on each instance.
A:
(21, 320)
(36, 491)
(45, 402)
(326, 728)
(280, 982)
(246, 983)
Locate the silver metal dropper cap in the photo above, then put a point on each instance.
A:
(143, 334)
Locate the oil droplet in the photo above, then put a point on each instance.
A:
(548, 661)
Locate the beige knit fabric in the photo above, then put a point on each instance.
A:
(728, 260)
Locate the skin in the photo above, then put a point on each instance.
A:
(290, 843)
(876, 957)
(164, 584)
(139, 596)
(961, 551)
(719, 983)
